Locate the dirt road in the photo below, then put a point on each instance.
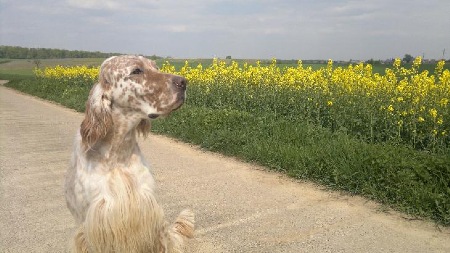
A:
(239, 207)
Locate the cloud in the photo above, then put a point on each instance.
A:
(175, 28)
(304, 29)
(97, 4)
(99, 21)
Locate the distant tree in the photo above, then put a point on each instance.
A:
(372, 61)
(32, 53)
(408, 58)
(228, 57)
(37, 62)
(155, 57)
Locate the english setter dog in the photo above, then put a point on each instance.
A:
(109, 188)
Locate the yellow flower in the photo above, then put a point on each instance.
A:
(330, 103)
(397, 62)
(417, 61)
(433, 113)
(420, 119)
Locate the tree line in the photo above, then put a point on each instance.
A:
(15, 52)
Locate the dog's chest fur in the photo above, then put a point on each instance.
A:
(96, 180)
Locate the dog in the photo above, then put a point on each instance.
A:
(108, 188)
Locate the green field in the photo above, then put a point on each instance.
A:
(412, 181)
(24, 67)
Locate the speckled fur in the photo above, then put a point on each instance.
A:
(109, 188)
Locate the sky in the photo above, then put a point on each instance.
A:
(245, 29)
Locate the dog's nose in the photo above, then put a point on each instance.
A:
(180, 82)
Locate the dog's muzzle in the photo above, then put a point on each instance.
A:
(179, 83)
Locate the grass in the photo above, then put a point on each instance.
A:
(414, 182)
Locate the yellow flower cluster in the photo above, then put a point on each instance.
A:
(403, 104)
(68, 73)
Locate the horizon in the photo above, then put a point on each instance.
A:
(221, 58)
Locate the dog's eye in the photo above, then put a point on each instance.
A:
(137, 71)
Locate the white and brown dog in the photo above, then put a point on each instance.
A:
(109, 188)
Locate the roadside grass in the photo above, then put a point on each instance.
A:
(70, 96)
(414, 182)
(411, 181)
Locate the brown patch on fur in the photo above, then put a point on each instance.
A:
(96, 123)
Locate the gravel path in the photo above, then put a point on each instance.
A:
(239, 207)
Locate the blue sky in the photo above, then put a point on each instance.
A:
(284, 29)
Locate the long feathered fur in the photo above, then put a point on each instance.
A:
(131, 221)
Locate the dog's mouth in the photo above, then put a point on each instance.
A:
(179, 102)
(153, 115)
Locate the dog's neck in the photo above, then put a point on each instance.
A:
(120, 143)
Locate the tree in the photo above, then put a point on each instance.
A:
(37, 62)
(408, 58)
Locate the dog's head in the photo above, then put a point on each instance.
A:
(134, 85)
(135, 82)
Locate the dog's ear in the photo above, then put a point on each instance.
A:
(98, 120)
